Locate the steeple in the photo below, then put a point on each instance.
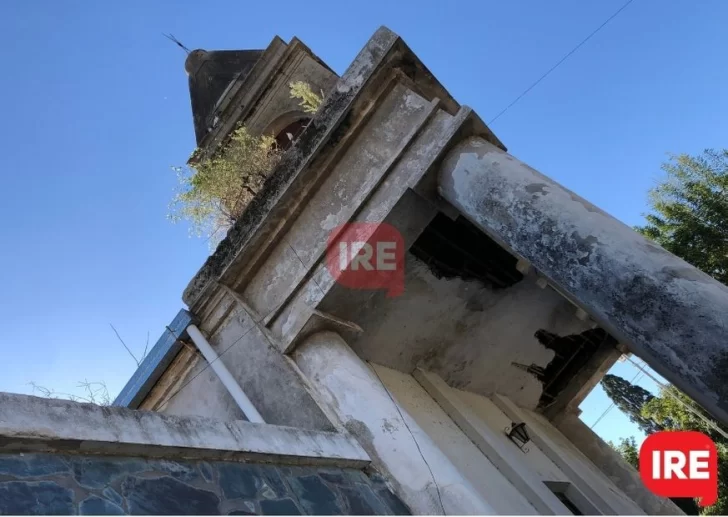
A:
(210, 73)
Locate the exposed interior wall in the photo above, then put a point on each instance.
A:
(578, 437)
(267, 377)
(464, 331)
(65, 484)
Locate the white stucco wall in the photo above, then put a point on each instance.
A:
(573, 466)
(461, 451)
(266, 376)
(498, 421)
(550, 456)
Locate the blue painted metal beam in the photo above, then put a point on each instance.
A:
(155, 363)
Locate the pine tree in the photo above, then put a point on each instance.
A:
(630, 398)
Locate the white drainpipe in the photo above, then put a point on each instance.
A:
(224, 375)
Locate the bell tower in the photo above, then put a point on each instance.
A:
(252, 87)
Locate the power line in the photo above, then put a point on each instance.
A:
(687, 406)
(567, 56)
(138, 363)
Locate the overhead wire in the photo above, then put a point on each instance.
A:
(559, 62)
(612, 405)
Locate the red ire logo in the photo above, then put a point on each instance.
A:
(680, 464)
(367, 256)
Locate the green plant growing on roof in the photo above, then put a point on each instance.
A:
(213, 192)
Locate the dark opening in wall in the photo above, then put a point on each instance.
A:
(571, 354)
(459, 249)
(290, 133)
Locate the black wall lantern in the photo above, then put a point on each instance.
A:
(518, 434)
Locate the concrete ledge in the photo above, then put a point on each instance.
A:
(50, 425)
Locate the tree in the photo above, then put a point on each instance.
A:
(627, 448)
(214, 191)
(675, 411)
(690, 217)
(630, 399)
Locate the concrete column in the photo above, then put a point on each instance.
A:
(666, 311)
(404, 452)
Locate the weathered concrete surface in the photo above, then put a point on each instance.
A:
(372, 183)
(584, 381)
(210, 73)
(330, 115)
(39, 424)
(360, 170)
(576, 435)
(422, 475)
(666, 311)
(61, 484)
(462, 330)
(267, 377)
(344, 107)
(261, 98)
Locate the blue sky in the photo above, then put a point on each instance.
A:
(96, 110)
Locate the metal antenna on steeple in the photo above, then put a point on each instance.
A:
(176, 41)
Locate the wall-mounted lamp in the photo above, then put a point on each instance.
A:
(518, 434)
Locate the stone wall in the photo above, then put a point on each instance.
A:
(105, 485)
